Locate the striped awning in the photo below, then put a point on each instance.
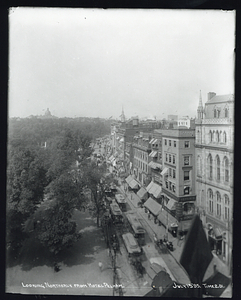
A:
(164, 171)
(153, 154)
(153, 206)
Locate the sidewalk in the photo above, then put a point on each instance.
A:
(172, 258)
(151, 228)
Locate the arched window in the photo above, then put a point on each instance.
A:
(226, 113)
(210, 200)
(224, 137)
(215, 113)
(218, 199)
(210, 136)
(226, 207)
(210, 166)
(199, 166)
(218, 168)
(217, 136)
(226, 169)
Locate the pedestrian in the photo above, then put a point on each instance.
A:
(149, 216)
(100, 266)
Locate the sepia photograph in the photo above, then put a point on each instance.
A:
(120, 152)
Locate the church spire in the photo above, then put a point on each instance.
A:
(122, 115)
(200, 107)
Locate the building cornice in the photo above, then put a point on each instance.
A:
(224, 188)
(216, 148)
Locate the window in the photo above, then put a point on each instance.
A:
(224, 137)
(226, 113)
(186, 144)
(186, 161)
(165, 142)
(166, 157)
(174, 188)
(210, 200)
(170, 158)
(170, 172)
(199, 166)
(166, 182)
(210, 136)
(170, 185)
(226, 170)
(218, 168)
(215, 113)
(186, 190)
(218, 197)
(186, 175)
(226, 207)
(217, 136)
(210, 166)
(174, 159)
(175, 143)
(170, 142)
(174, 173)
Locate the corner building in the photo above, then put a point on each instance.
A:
(178, 159)
(214, 172)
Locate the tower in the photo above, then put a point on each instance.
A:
(200, 108)
(122, 116)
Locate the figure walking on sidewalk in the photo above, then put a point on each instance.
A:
(100, 266)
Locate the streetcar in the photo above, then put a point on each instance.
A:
(131, 245)
(138, 230)
(121, 201)
(116, 213)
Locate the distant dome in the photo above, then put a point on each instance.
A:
(47, 113)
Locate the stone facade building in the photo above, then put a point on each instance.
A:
(214, 173)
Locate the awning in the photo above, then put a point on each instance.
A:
(154, 189)
(134, 184)
(153, 154)
(153, 206)
(171, 205)
(154, 165)
(149, 186)
(129, 179)
(167, 219)
(142, 193)
(155, 141)
(122, 139)
(218, 233)
(151, 141)
(164, 171)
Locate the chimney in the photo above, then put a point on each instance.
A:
(211, 95)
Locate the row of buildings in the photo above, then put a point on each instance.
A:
(185, 166)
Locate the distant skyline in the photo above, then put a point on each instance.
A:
(93, 62)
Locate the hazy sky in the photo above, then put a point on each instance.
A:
(90, 62)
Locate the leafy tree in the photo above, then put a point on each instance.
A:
(94, 180)
(56, 230)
